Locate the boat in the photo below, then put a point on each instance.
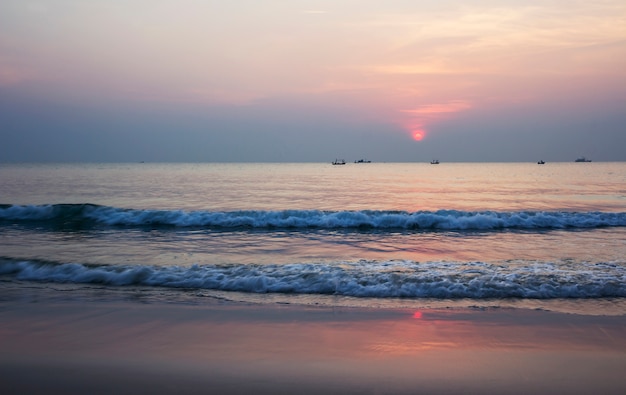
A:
(582, 159)
(434, 162)
(362, 161)
(541, 162)
(339, 162)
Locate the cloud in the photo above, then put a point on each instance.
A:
(440, 108)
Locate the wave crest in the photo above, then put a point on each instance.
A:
(397, 279)
(90, 214)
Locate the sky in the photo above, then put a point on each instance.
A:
(312, 81)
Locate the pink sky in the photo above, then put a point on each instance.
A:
(407, 64)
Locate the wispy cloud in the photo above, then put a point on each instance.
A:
(440, 108)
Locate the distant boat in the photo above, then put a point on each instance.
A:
(362, 161)
(339, 162)
(434, 162)
(541, 162)
(582, 159)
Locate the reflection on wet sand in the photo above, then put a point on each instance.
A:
(280, 349)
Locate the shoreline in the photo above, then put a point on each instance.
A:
(73, 346)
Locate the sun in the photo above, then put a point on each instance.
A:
(418, 135)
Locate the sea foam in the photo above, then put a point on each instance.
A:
(405, 279)
(90, 214)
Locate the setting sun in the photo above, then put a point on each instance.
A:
(418, 135)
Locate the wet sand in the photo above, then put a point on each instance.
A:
(126, 347)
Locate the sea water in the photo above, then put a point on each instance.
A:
(391, 235)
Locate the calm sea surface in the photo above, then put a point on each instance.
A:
(547, 236)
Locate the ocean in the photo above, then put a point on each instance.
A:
(381, 235)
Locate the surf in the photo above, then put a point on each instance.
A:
(86, 215)
(365, 278)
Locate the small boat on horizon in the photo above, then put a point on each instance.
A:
(541, 162)
(434, 162)
(582, 159)
(339, 162)
(362, 161)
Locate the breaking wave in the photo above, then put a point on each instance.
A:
(390, 279)
(93, 215)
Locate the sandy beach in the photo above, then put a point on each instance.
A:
(73, 347)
